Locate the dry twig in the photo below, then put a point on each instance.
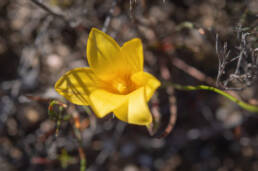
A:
(48, 10)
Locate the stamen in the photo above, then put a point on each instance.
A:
(121, 88)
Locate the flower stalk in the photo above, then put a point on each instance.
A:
(242, 104)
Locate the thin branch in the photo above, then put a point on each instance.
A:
(165, 74)
(192, 71)
(223, 56)
(110, 14)
(172, 110)
(48, 10)
(78, 135)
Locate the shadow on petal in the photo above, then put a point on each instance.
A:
(76, 85)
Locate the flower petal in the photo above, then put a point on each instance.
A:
(132, 53)
(104, 102)
(146, 80)
(135, 110)
(103, 54)
(76, 85)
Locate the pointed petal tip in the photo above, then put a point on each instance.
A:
(94, 29)
(103, 53)
(135, 40)
(146, 122)
(132, 51)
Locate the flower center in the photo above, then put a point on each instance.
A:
(122, 85)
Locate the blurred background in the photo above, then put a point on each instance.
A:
(198, 131)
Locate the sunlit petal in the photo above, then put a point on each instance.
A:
(132, 52)
(122, 112)
(103, 54)
(104, 102)
(135, 110)
(76, 85)
(149, 82)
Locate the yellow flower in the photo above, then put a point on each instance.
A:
(114, 82)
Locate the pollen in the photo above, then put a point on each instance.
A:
(121, 86)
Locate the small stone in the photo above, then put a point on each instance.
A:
(50, 93)
(54, 61)
(130, 168)
(145, 160)
(128, 149)
(193, 134)
(12, 127)
(32, 115)
(5, 165)
(252, 5)
(248, 151)
(29, 115)
(63, 50)
(47, 126)
(157, 14)
(16, 153)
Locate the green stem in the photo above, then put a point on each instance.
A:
(246, 106)
(82, 164)
(78, 136)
